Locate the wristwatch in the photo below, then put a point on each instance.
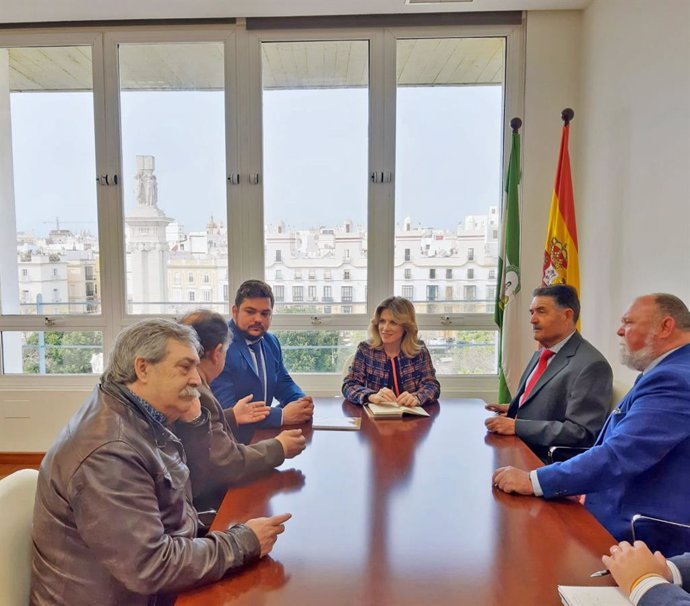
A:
(195, 422)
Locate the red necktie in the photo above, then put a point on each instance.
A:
(544, 357)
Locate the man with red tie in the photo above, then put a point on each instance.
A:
(565, 392)
(639, 462)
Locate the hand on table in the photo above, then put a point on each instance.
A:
(382, 396)
(501, 425)
(511, 479)
(292, 441)
(299, 411)
(407, 399)
(499, 409)
(267, 530)
(247, 411)
(628, 563)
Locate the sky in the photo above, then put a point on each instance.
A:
(448, 155)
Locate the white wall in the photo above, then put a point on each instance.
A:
(632, 160)
(624, 67)
(30, 419)
(551, 85)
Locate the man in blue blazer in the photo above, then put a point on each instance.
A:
(254, 370)
(640, 462)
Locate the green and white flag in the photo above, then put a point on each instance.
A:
(508, 287)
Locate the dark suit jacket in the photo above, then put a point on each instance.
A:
(569, 403)
(640, 462)
(226, 461)
(239, 379)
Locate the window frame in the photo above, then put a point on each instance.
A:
(244, 202)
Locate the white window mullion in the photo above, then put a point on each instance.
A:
(381, 222)
(245, 214)
(110, 197)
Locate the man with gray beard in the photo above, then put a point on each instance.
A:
(113, 521)
(640, 462)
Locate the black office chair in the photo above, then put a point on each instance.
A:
(671, 538)
(563, 453)
(558, 454)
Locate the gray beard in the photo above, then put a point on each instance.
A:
(637, 360)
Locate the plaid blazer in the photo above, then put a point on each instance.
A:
(369, 373)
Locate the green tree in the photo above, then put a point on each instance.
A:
(65, 352)
(310, 351)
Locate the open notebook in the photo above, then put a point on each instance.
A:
(391, 410)
(592, 596)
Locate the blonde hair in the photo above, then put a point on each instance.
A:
(404, 314)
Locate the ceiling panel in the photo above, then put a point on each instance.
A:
(312, 64)
(23, 11)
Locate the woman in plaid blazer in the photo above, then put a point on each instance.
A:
(393, 365)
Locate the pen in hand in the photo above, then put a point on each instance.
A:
(599, 573)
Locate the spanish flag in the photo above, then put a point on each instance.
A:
(561, 264)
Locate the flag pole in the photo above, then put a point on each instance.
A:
(508, 283)
(567, 115)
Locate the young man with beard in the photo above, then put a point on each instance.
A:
(254, 374)
(639, 463)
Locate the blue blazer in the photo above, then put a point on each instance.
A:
(239, 378)
(640, 462)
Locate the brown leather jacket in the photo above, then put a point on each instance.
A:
(114, 522)
(227, 461)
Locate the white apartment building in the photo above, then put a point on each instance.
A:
(320, 270)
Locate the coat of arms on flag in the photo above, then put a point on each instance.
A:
(561, 264)
(555, 262)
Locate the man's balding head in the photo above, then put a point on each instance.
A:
(653, 325)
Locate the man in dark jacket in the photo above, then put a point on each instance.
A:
(227, 461)
(564, 394)
(113, 521)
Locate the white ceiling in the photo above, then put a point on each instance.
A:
(26, 11)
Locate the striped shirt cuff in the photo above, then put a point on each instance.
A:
(677, 577)
(644, 586)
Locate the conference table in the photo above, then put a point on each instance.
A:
(403, 512)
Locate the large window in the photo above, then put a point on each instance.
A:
(315, 134)
(149, 171)
(49, 249)
(462, 352)
(173, 172)
(449, 128)
(54, 352)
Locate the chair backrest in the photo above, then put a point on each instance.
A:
(17, 495)
(669, 537)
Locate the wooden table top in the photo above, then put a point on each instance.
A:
(403, 513)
